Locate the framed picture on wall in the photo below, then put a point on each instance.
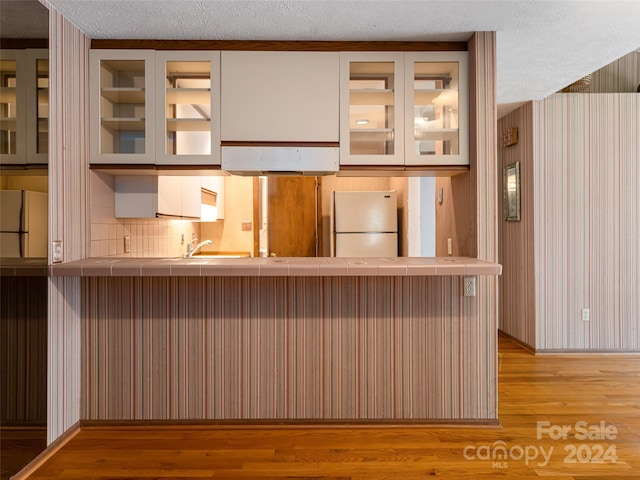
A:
(511, 192)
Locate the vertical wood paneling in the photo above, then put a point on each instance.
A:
(620, 76)
(283, 348)
(516, 241)
(68, 214)
(483, 195)
(587, 221)
(23, 350)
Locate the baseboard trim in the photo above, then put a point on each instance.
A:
(293, 424)
(524, 345)
(47, 453)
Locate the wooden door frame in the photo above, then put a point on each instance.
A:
(256, 217)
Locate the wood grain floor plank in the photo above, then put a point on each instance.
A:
(560, 391)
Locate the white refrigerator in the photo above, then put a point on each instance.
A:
(23, 224)
(365, 224)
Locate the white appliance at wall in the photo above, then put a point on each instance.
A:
(365, 224)
(23, 224)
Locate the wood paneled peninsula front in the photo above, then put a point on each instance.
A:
(285, 339)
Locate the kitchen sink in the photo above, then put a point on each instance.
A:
(220, 255)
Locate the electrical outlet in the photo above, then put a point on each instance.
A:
(449, 246)
(127, 244)
(246, 226)
(585, 314)
(469, 285)
(56, 251)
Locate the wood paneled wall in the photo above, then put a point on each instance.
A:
(620, 76)
(23, 350)
(578, 243)
(587, 221)
(516, 250)
(481, 191)
(284, 348)
(68, 214)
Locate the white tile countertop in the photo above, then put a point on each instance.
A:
(274, 266)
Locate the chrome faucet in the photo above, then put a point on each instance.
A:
(192, 250)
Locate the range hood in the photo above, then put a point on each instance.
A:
(277, 160)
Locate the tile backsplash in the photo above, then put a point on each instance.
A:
(149, 237)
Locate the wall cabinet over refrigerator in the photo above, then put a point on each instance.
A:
(151, 107)
(436, 112)
(372, 106)
(404, 108)
(24, 106)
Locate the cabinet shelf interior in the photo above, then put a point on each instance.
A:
(132, 95)
(7, 94)
(188, 124)
(183, 96)
(7, 123)
(371, 97)
(124, 124)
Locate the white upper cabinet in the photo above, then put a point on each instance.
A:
(372, 100)
(145, 196)
(188, 107)
(437, 108)
(407, 108)
(280, 96)
(24, 106)
(122, 103)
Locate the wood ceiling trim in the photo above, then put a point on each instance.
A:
(278, 45)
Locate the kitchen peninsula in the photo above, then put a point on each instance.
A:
(337, 348)
(313, 339)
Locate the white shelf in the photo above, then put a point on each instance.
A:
(371, 96)
(124, 124)
(189, 96)
(437, 134)
(133, 95)
(371, 134)
(8, 123)
(7, 94)
(188, 124)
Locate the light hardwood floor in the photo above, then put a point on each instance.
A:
(600, 390)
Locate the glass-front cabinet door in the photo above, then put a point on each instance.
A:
(188, 95)
(122, 105)
(12, 107)
(24, 106)
(372, 102)
(37, 104)
(436, 114)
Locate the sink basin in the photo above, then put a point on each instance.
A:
(220, 255)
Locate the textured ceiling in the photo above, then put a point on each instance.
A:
(23, 19)
(542, 45)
